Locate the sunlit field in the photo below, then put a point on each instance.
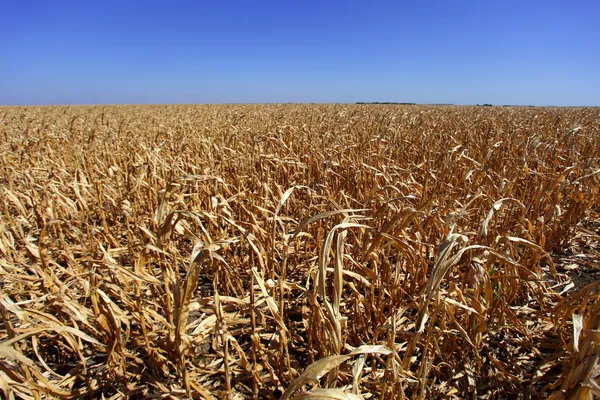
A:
(299, 252)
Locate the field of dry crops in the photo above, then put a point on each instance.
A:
(299, 252)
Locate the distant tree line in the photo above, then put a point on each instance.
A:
(385, 102)
(504, 105)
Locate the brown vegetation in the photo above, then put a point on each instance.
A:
(296, 251)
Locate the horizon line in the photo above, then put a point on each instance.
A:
(365, 103)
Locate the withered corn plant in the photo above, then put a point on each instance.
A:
(299, 252)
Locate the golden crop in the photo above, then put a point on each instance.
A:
(299, 251)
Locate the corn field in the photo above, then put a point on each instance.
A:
(299, 252)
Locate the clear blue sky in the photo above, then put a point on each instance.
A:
(462, 52)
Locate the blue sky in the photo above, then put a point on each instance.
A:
(462, 52)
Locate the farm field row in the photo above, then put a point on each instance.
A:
(296, 251)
